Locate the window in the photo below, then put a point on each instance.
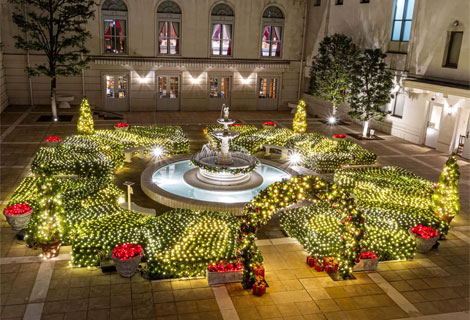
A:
(219, 87)
(317, 3)
(168, 87)
(116, 87)
(339, 2)
(114, 14)
(453, 49)
(399, 105)
(169, 26)
(222, 29)
(273, 22)
(402, 17)
(364, 1)
(268, 88)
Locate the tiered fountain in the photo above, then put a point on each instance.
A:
(212, 179)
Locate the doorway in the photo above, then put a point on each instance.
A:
(432, 127)
(219, 92)
(168, 95)
(268, 93)
(116, 92)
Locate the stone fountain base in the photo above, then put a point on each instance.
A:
(222, 182)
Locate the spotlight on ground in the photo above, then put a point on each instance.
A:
(157, 152)
(332, 120)
(295, 159)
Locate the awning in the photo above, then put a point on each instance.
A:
(454, 89)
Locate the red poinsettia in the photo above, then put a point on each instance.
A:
(340, 136)
(127, 251)
(237, 125)
(53, 139)
(220, 267)
(424, 232)
(17, 209)
(121, 125)
(270, 123)
(368, 255)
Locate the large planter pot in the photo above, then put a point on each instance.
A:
(269, 127)
(52, 143)
(51, 249)
(366, 265)
(19, 222)
(224, 277)
(424, 245)
(121, 128)
(127, 268)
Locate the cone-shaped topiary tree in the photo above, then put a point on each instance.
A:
(445, 200)
(85, 124)
(299, 124)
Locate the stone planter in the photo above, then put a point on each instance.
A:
(51, 249)
(121, 128)
(224, 277)
(127, 268)
(19, 222)
(269, 127)
(52, 143)
(366, 265)
(424, 245)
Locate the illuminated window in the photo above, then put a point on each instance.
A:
(222, 29)
(268, 88)
(273, 22)
(168, 87)
(114, 14)
(402, 18)
(116, 87)
(219, 87)
(169, 28)
(453, 49)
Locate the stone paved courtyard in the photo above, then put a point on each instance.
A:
(436, 283)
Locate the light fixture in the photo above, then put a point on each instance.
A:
(332, 120)
(456, 23)
(246, 81)
(450, 110)
(295, 159)
(195, 80)
(157, 152)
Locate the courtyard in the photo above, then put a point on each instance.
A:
(433, 285)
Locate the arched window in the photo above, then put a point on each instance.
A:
(169, 28)
(273, 23)
(222, 29)
(114, 14)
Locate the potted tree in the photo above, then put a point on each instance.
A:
(127, 258)
(369, 88)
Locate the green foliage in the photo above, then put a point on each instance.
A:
(56, 29)
(445, 200)
(299, 124)
(370, 86)
(332, 67)
(85, 124)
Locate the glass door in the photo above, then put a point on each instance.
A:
(268, 93)
(432, 127)
(219, 92)
(116, 92)
(168, 95)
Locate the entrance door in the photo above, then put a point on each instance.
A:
(267, 93)
(168, 95)
(432, 129)
(116, 93)
(219, 92)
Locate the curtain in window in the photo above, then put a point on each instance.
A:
(174, 40)
(227, 45)
(276, 40)
(161, 37)
(216, 32)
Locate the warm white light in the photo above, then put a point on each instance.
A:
(332, 120)
(121, 200)
(143, 80)
(56, 119)
(157, 152)
(246, 81)
(295, 159)
(195, 80)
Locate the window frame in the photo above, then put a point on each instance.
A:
(114, 15)
(449, 41)
(395, 105)
(169, 17)
(269, 81)
(364, 1)
(222, 20)
(219, 86)
(339, 2)
(317, 3)
(403, 20)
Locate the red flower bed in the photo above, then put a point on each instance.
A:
(270, 123)
(53, 139)
(127, 251)
(367, 255)
(237, 125)
(220, 267)
(17, 209)
(121, 125)
(340, 136)
(424, 232)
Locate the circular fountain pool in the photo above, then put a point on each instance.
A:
(166, 184)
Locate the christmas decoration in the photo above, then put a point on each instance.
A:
(85, 124)
(127, 251)
(299, 124)
(18, 215)
(269, 124)
(425, 237)
(445, 199)
(53, 139)
(339, 136)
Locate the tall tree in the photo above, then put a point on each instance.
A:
(55, 28)
(445, 200)
(370, 88)
(331, 70)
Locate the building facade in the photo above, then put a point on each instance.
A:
(195, 55)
